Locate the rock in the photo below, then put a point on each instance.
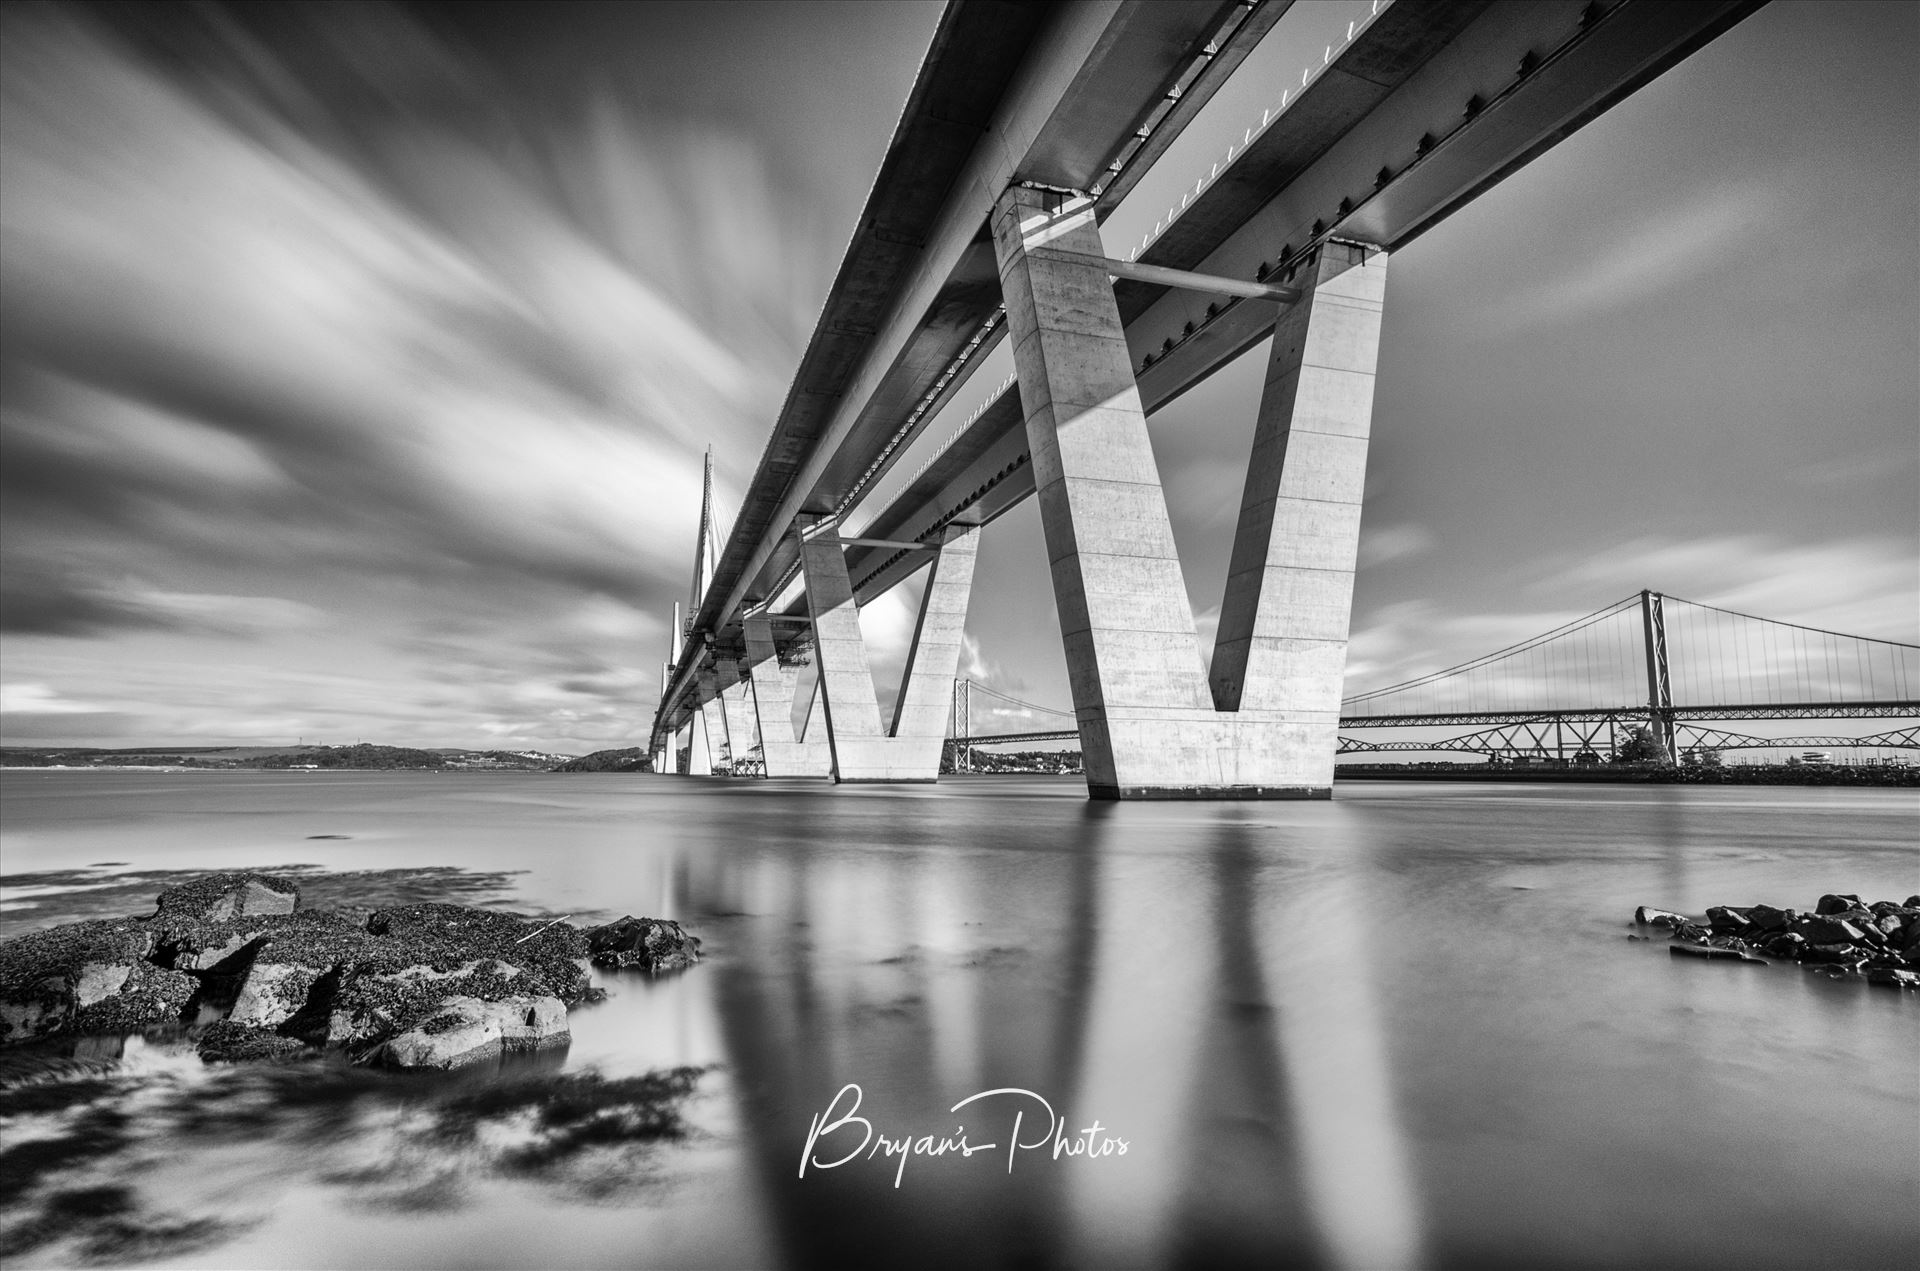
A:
(1820, 931)
(1837, 904)
(1647, 916)
(218, 897)
(652, 944)
(216, 947)
(46, 976)
(464, 1030)
(553, 954)
(1728, 920)
(272, 994)
(1766, 918)
(1894, 979)
(1890, 923)
(1787, 945)
(297, 954)
(227, 1042)
(1713, 952)
(1838, 954)
(1690, 931)
(147, 995)
(371, 1005)
(1911, 902)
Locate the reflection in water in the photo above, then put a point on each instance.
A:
(1134, 996)
(1332, 1035)
(1403, 1028)
(1241, 1191)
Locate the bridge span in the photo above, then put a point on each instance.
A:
(1025, 128)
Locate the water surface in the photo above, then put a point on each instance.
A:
(1402, 1028)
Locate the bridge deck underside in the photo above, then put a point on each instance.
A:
(1428, 106)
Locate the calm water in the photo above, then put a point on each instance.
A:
(1404, 1028)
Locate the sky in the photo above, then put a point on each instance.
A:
(357, 361)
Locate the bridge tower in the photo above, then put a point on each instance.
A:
(1653, 621)
(1154, 723)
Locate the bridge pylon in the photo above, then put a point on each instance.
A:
(1151, 723)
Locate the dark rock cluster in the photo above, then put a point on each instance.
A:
(233, 960)
(651, 944)
(1843, 936)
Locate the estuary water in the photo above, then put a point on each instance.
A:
(1403, 1028)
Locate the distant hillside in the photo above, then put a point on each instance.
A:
(627, 760)
(360, 757)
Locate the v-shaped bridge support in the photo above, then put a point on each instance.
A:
(910, 749)
(1151, 724)
(789, 746)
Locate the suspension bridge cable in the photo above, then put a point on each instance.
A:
(1775, 622)
(1564, 629)
(1010, 698)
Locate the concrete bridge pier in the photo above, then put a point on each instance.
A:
(789, 749)
(736, 705)
(713, 715)
(909, 750)
(1151, 723)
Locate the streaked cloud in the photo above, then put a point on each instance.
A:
(1656, 248)
(1384, 544)
(309, 326)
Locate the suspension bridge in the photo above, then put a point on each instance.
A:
(1675, 668)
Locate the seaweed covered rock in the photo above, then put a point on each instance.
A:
(229, 1042)
(46, 977)
(424, 985)
(465, 1030)
(218, 897)
(297, 954)
(372, 1005)
(651, 944)
(554, 956)
(149, 995)
(210, 923)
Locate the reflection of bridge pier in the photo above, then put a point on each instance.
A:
(1216, 1008)
(916, 1010)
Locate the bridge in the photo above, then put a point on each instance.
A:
(1670, 668)
(1026, 127)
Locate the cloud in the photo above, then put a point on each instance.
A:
(38, 699)
(1668, 249)
(47, 603)
(1385, 544)
(1861, 586)
(311, 323)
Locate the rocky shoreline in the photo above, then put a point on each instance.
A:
(235, 964)
(1843, 937)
